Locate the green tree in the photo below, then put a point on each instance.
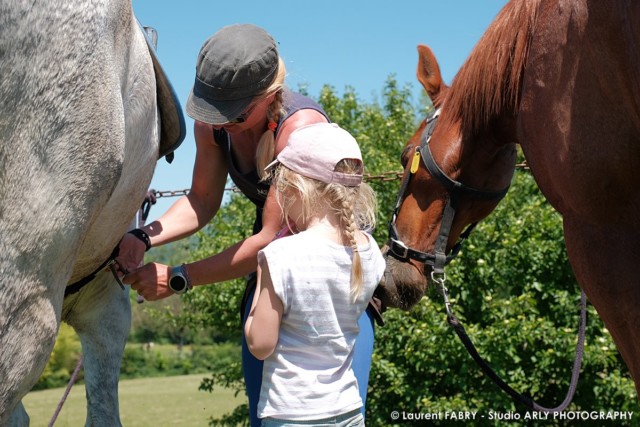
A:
(512, 287)
(159, 321)
(218, 306)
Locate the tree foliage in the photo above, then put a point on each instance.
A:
(512, 288)
(218, 306)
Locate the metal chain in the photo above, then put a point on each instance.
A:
(385, 176)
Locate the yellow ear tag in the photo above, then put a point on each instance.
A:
(415, 163)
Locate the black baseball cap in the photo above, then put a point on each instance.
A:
(234, 65)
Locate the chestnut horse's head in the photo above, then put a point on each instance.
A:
(454, 176)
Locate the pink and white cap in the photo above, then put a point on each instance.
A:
(315, 150)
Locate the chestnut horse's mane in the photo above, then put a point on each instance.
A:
(488, 83)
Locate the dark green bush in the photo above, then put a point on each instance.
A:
(138, 362)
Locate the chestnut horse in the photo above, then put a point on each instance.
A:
(562, 79)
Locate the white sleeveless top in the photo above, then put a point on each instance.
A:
(309, 375)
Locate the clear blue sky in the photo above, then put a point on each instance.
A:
(354, 43)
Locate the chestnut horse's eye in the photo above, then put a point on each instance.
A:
(404, 157)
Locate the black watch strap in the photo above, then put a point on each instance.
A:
(142, 236)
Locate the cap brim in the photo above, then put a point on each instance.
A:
(215, 112)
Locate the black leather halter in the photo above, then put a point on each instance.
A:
(438, 259)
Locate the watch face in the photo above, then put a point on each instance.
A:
(177, 283)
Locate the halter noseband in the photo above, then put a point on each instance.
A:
(439, 259)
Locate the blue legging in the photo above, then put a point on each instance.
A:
(252, 367)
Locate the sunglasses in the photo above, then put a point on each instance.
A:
(243, 117)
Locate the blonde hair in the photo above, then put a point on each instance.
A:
(265, 152)
(354, 207)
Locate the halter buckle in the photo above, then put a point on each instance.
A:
(399, 245)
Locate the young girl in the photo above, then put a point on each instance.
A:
(313, 286)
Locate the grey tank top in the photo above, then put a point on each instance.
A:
(249, 183)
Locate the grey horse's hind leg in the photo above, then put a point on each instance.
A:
(27, 334)
(19, 417)
(101, 315)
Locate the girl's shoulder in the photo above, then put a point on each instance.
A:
(287, 242)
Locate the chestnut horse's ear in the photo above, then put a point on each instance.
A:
(429, 72)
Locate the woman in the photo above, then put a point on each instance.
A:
(243, 117)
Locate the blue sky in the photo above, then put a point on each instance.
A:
(340, 43)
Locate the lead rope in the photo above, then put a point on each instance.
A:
(527, 401)
(143, 214)
(72, 381)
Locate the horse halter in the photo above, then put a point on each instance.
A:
(439, 259)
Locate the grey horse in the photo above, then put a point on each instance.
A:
(85, 112)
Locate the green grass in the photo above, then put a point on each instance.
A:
(166, 401)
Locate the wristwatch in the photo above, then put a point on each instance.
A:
(179, 280)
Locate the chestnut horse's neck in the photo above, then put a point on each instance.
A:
(488, 85)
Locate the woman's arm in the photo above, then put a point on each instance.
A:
(263, 324)
(242, 258)
(151, 280)
(191, 212)
(298, 119)
(236, 261)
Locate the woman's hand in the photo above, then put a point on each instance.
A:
(130, 254)
(150, 281)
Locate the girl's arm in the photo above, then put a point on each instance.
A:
(263, 324)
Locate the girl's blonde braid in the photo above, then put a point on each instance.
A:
(350, 228)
